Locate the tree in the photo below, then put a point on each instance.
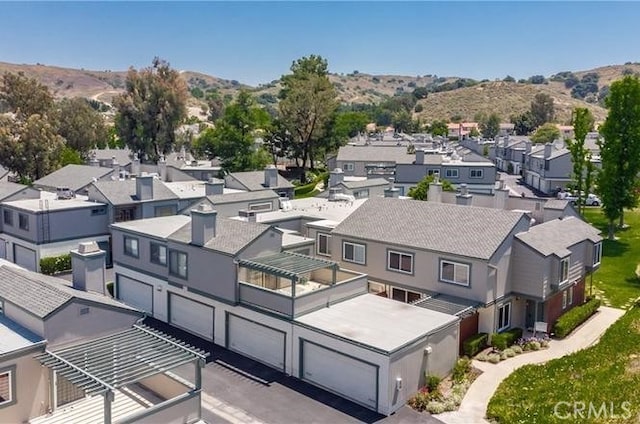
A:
(474, 132)
(350, 124)
(421, 191)
(582, 121)
(25, 96)
(491, 126)
(542, 109)
(215, 105)
(523, 123)
(547, 133)
(401, 121)
(439, 128)
(81, 126)
(620, 150)
(69, 156)
(509, 78)
(151, 109)
(308, 102)
(279, 142)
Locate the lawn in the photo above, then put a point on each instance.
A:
(616, 281)
(605, 374)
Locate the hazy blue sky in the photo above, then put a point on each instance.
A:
(256, 42)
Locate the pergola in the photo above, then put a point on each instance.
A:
(103, 365)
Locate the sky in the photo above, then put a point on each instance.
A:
(256, 42)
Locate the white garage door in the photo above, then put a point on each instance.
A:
(262, 343)
(192, 316)
(24, 257)
(341, 374)
(135, 293)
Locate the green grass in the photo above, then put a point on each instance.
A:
(616, 281)
(599, 374)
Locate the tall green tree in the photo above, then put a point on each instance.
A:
(542, 109)
(523, 124)
(25, 96)
(421, 190)
(490, 127)
(82, 126)
(582, 121)
(620, 150)
(401, 121)
(307, 105)
(546, 133)
(439, 128)
(350, 124)
(151, 109)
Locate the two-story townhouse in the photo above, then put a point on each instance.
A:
(33, 229)
(231, 204)
(358, 188)
(75, 178)
(269, 179)
(361, 160)
(229, 282)
(108, 158)
(510, 153)
(548, 168)
(550, 264)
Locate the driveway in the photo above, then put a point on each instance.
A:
(239, 390)
(516, 186)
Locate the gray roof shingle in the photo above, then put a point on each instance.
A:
(124, 192)
(123, 156)
(370, 182)
(555, 237)
(556, 204)
(246, 196)
(459, 230)
(254, 180)
(73, 176)
(231, 235)
(42, 295)
(9, 189)
(397, 154)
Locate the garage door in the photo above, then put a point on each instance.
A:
(24, 257)
(344, 375)
(262, 343)
(135, 293)
(192, 316)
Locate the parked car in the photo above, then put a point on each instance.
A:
(592, 200)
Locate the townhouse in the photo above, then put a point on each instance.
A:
(510, 154)
(548, 167)
(75, 178)
(269, 179)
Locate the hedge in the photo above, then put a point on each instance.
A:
(55, 264)
(303, 190)
(475, 344)
(573, 318)
(505, 339)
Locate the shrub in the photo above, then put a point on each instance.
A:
(503, 355)
(494, 358)
(505, 339)
(535, 345)
(482, 357)
(475, 344)
(573, 318)
(516, 349)
(461, 369)
(432, 383)
(55, 264)
(509, 353)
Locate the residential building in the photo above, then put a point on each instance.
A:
(548, 167)
(231, 204)
(462, 129)
(360, 161)
(109, 158)
(76, 178)
(269, 179)
(12, 191)
(357, 188)
(510, 153)
(506, 129)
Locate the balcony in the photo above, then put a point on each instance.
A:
(291, 284)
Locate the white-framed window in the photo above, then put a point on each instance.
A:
(400, 262)
(565, 295)
(454, 272)
(323, 244)
(348, 166)
(406, 296)
(564, 270)
(597, 253)
(504, 316)
(433, 172)
(451, 173)
(261, 207)
(476, 173)
(354, 252)
(158, 253)
(178, 264)
(131, 246)
(570, 300)
(6, 387)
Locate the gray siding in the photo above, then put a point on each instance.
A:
(143, 261)
(24, 318)
(530, 271)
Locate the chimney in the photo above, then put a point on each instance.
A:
(333, 192)
(547, 150)
(144, 186)
(527, 147)
(505, 142)
(419, 157)
(94, 160)
(116, 166)
(250, 216)
(463, 198)
(162, 168)
(270, 176)
(500, 196)
(135, 165)
(88, 265)
(435, 191)
(203, 225)
(213, 186)
(335, 177)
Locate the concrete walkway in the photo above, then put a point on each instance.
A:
(474, 405)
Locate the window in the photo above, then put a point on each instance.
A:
(84, 311)
(158, 253)
(261, 207)
(433, 172)
(476, 173)
(564, 299)
(564, 270)
(597, 253)
(451, 173)
(131, 246)
(401, 262)
(323, 244)
(125, 214)
(361, 194)
(352, 252)
(99, 211)
(6, 388)
(178, 264)
(1, 307)
(570, 301)
(23, 221)
(405, 296)
(348, 166)
(7, 217)
(164, 210)
(453, 272)
(504, 316)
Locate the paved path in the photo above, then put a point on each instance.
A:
(474, 405)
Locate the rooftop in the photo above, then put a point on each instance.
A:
(74, 177)
(371, 182)
(287, 264)
(8, 188)
(254, 180)
(53, 204)
(451, 305)
(557, 236)
(14, 337)
(313, 207)
(123, 156)
(161, 227)
(124, 192)
(193, 189)
(556, 204)
(383, 324)
(372, 153)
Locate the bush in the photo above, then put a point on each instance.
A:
(505, 339)
(516, 349)
(494, 358)
(475, 344)
(509, 353)
(573, 318)
(503, 355)
(461, 369)
(482, 357)
(432, 383)
(55, 264)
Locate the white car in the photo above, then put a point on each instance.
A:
(592, 200)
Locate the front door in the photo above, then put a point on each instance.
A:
(532, 317)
